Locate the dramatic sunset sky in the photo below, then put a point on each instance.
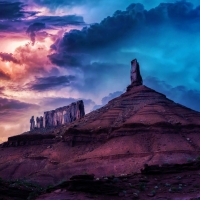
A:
(54, 52)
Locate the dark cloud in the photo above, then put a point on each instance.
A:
(40, 23)
(47, 83)
(157, 36)
(8, 57)
(106, 99)
(100, 75)
(51, 22)
(132, 21)
(4, 76)
(60, 21)
(111, 96)
(180, 94)
(12, 110)
(13, 10)
(8, 104)
(60, 3)
(65, 59)
(33, 28)
(4, 26)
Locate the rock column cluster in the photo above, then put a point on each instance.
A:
(64, 115)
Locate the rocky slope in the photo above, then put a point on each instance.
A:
(139, 127)
(166, 182)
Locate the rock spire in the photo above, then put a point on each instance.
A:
(32, 122)
(136, 78)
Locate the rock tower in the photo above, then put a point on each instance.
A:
(136, 78)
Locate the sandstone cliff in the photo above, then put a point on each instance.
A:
(60, 116)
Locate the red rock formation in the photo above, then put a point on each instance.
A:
(60, 116)
(136, 78)
(139, 127)
(64, 115)
(32, 122)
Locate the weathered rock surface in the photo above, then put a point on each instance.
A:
(39, 121)
(32, 122)
(136, 78)
(166, 182)
(64, 115)
(172, 184)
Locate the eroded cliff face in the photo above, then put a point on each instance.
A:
(64, 115)
(60, 116)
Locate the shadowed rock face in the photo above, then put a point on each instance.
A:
(39, 121)
(60, 116)
(64, 115)
(136, 78)
(32, 122)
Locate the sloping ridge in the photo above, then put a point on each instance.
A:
(139, 127)
(140, 105)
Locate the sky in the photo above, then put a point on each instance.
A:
(53, 53)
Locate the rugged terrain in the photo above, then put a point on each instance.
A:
(166, 182)
(140, 127)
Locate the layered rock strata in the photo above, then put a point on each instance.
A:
(64, 115)
(60, 116)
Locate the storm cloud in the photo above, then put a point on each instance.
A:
(13, 10)
(53, 21)
(3, 76)
(157, 37)
(93, 62)
(47, 83)
(8, 57)
(11, 109)
(129, 23)
(33, 28)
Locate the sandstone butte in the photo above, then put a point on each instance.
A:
(139, 127)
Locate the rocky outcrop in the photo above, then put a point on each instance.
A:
(32, 122)
(39, 121)
(136, 78)
(64, 115)
(170, 168)
(30, 139)
(60, 116)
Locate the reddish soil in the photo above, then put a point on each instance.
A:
(178, 183)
